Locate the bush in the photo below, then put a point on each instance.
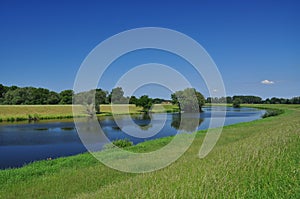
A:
(237, 103)
(122, 143)
(20, 118)
(11, 119)
(35, 117)
(272, 112)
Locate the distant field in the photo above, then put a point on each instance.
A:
(258, 159)
(121, 108)
(22, 112)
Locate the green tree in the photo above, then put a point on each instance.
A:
(16, 96)
(275, 100)
(188, 100)
(100, 98)
(208, 100)
(117, 96)
(248, 99)
(40, 95)
(228, 100)
(145, 102)
(66, 97)
(158, 100)
(295, 100)
(3, 90)
(53, 98)
(133, 100)
(237, 103)
(91, 99)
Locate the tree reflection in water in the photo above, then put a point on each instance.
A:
(143, 121)
(188, 122)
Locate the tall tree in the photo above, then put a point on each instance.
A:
(132, 100)
(117, 96)
(145, 102)
(100, 98)
(188, 100)
(236, 103)
(53, 98)
(66, 97)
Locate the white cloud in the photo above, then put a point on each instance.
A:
(268, 82)
(215, 90)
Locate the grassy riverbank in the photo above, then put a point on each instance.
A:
(258, 159)
(12, 113)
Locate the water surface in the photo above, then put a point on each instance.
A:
(27, 142)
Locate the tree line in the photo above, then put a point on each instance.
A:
(188, 100)
(250, 99)
(14, 95)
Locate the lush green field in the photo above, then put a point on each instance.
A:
(23, 112)
(124, 109)
(259, 159)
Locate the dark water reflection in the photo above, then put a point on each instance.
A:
(27, 142)
(186, 122)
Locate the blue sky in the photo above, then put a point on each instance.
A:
(44, 43)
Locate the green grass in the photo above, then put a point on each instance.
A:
(12, 113)
(132, 109)
(258, 159)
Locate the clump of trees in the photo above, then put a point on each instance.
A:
(249, 99)
(188, 100)
(117, 96)
(29, 95)
(237, 103)
(13, 95)
(145, 102)
(92, 100)
(275, 100)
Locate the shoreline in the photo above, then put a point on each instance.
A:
(21, 113)
(142, 143)
(244, 152)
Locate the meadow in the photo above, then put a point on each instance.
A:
(258, 159)
(12, 113)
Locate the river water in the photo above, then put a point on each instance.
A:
(22, 143)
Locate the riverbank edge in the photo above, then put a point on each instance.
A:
(34, 116)
(143, 146)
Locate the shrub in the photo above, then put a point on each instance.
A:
(121, 143)
(35, 117)
(272, 112)
(12, 119)
(20, 118)
(237, 103)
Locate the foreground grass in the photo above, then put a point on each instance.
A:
(259, 159)
(13, 113)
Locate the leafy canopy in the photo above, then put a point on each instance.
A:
(188, 100)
